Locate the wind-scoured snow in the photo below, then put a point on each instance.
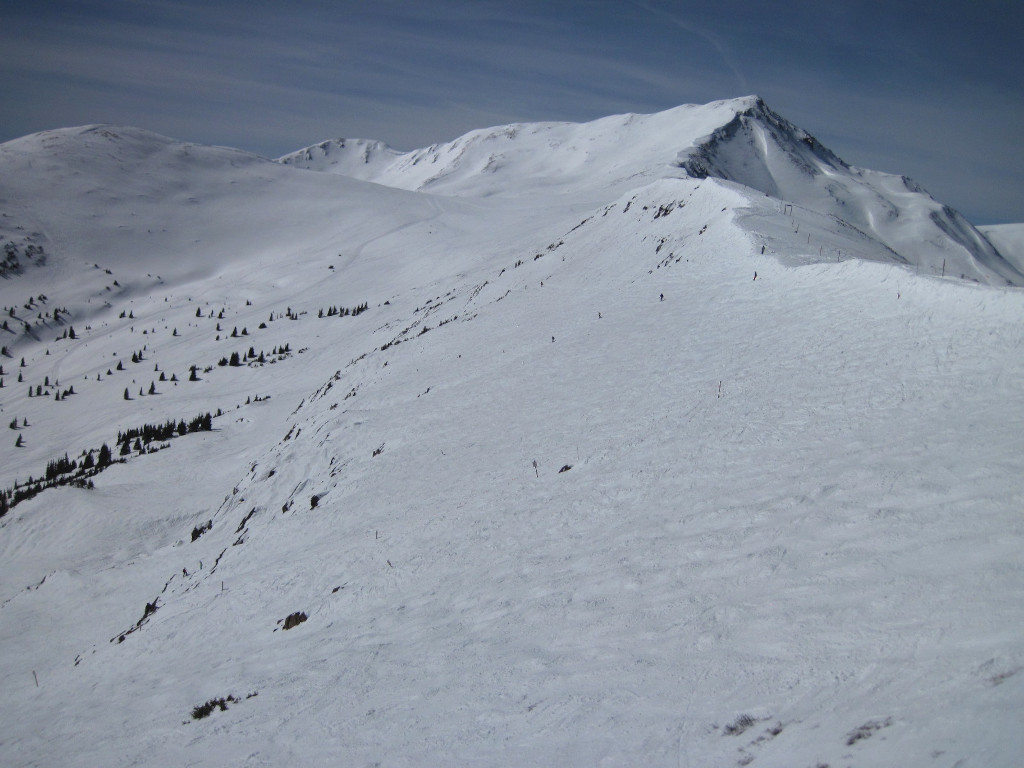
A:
(629, 464)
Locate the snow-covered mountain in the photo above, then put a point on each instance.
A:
(666, 439)
(739, 140)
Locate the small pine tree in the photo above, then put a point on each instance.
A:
(152, 388)
(125, 448)
(104, 458)
(126, 395)
(193, 376)
(120, 365)
(19, 442)
(71, 333)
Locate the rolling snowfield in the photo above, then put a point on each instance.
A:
(660, 440)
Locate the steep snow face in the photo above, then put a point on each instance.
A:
(1009, 240)
(762, 151)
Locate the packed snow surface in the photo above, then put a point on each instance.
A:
(662, 440)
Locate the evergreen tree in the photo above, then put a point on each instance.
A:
(126, 395)
(19, 442)
(152, 388)
(104, 458)
(125, 448)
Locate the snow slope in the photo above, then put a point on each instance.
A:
(574, 489)
(1009, 239)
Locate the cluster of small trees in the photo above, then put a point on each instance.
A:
(150, 432)
(11, 262)
(344, 311)
(66, 471)
(237, 360)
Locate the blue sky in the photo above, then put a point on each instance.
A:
(930, 88)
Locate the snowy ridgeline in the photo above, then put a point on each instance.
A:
(553, 454)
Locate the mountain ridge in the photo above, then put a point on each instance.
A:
(739, 140)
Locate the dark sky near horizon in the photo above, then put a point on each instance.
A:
(933, 89)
